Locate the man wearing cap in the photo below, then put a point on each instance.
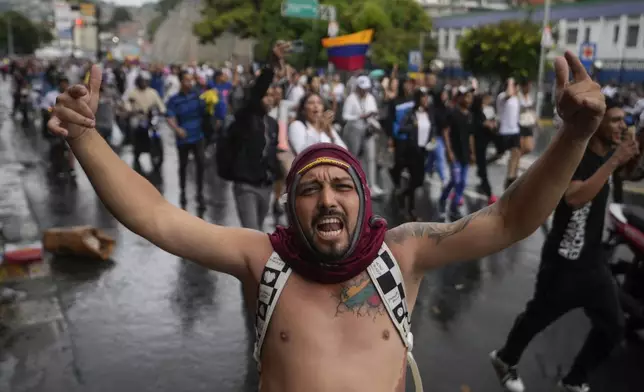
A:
(334, 289)
(360, 112)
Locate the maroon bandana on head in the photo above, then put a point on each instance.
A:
(292, 245)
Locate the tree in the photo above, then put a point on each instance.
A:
(27, 36)
(120, 15)
(507, 49)
(397, 26)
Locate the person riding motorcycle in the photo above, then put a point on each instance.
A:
(57, 146)
(138, 102)
(21, 91)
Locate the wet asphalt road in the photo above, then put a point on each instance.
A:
(152, 322)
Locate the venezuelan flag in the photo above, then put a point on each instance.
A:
(348, 52)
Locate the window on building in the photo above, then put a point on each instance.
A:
(457, 38)
(632, 33)
(571, 36)
(587, 35)
(616, 34)
(446, 40)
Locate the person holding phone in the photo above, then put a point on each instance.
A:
(312, 125)
(360, 112)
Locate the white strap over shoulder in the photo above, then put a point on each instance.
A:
(274, 277)
(387, 277)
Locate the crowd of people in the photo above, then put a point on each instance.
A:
(406, 127)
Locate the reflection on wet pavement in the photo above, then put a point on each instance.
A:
(149, 321)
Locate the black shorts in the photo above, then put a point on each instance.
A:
(526, 131)
(508, 142)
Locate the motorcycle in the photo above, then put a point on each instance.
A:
(626, 227)
(59, 159)
(156, 143)
(25, 104)
(146, 125)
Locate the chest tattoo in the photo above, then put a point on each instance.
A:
(360, 297)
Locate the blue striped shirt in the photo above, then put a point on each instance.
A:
(188, 109)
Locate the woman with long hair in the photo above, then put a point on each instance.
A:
(418, 125)
(527, 118)
(313, 124)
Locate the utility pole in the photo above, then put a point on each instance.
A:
(9, 37)
(97, 17)
(421, 48)
(542, 59)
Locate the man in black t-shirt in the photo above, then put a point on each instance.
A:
(456, 135)
(573, 273)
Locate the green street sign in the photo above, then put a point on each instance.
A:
(305, 9)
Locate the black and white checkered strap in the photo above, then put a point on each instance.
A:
(388, 279)
(274, 277)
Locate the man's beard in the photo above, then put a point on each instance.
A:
(332, 255)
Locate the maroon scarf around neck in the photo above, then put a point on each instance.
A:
(293, 247)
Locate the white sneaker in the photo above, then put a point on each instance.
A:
(573, 388)
(508, 375)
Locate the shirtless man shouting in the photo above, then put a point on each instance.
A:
(335, 289)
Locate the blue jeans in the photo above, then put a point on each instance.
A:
(436, 160)
(457, 182)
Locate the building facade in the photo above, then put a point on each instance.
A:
(615, 27)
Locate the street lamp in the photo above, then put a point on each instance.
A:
(115, 40)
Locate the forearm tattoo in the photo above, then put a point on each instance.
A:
(437, 231)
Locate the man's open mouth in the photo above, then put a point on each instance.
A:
(329, 228)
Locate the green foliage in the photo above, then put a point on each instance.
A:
(506, 49)
(397, 26)
(27, 36)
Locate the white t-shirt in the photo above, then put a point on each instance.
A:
(354, 107)
(509, 111)
(424, 128)
(338, 92)
(172, 86)
(526, 101)
(296, 94)
(301, 136)
(49, 100)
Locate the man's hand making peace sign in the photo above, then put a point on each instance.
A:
(580, 103)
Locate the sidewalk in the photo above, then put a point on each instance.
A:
(33, 330)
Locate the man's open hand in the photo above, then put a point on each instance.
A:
(580, 103)
(75, 108)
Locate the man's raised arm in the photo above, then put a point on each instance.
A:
(530, 200)
(135, 202)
